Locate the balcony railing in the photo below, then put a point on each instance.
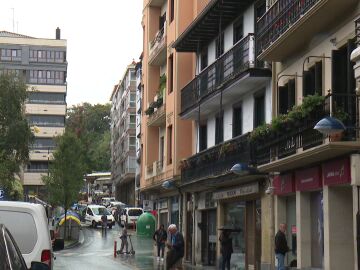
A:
(216, 161)
(303, 136)
(357, 31)
(238, 59)
(279, 18)
(158, 42)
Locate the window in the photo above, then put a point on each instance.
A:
(171, 73)
(286, 97)
(132, 141)
(202, 137)
(204, 58)
(259, 109)
(37, 166)
(219, 128)
(10, 55)
(47, 77)
(238, 30)
(132, 75)
(132, 100)
(312, 80)
(237, 121)
(43, 143)
(46, 98)
(48, 56)
(220, 45)
(169, 144)
(172, 10)
(15, 256)
(46, 120)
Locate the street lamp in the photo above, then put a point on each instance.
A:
(329, 126)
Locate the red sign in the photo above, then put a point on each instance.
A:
(293, 229)
(337, 172)
(284, 184)
(308, 179)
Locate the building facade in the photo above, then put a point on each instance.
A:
(316, 184)
(43, 65)
(228, 96)
(123, 140)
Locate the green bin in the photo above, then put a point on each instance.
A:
(145, 225)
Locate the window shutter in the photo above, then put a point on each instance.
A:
(336, 72)
(306, 83)
(318, 78)
(283, 99)
(351, 84)
(291, 94)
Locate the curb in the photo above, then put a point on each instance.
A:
(78, 243)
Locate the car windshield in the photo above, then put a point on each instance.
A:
(100, 211)
(134, 212)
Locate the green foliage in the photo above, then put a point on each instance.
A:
(149, 111)
(91, 124)
(162, 84)
(15, 134)
(16, 191)
(67, 170)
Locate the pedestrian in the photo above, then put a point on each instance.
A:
(103, 222)
(226, 248)
(176, 249)
(124, 242)
(160, 237)
(281, 247)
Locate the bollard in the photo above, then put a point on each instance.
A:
(115, 248)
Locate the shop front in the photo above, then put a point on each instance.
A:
(240, 210)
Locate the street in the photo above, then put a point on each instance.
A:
(97, 251)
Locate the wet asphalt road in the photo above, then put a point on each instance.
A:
(97, 252)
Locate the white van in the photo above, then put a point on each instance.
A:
(107, 200)
(130, 215)
(93, 214)
(28, 225)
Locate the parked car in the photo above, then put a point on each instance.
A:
(28, 225)
(130, 215)
(10, 255)
(93, 214)
(105, 201)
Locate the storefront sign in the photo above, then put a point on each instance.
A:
(148, 205)
(308, 179)
(337, 172)
(284, 184)
(239, 191)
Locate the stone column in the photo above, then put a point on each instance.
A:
(303, 223)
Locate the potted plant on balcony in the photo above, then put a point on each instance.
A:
(149, 111)
(260, 133)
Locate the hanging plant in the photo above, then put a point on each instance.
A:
(149, 111)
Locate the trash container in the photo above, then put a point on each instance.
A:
(145, 225)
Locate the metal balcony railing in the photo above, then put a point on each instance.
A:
(158, 41)
(217, 160)
(238, 59)
(279, 18)
(357, 31)
(303, 136)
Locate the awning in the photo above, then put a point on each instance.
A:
(206, 25)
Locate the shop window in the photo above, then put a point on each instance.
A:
(237, 121)
(202, 137)
(259, 109)
(219, 128)
(312, 80)
(286, 97)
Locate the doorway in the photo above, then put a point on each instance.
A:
(208, 237)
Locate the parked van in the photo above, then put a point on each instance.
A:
(106, 201)
(130, 215)
(27, 222)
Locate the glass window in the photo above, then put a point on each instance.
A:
(51, 98)
(259, 110)
(37, 166)
(100, 211)
(24, 232)
(135, 212)
(4, 263)
(47, 120)
(16, 259)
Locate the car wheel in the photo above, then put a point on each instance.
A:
(94, 225)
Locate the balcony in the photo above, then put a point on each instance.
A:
(298, 144)
(157, 48)
(155, 170)
(216, 161)
(288, 26)
(157, 118)
(156, 3)
(238, 65)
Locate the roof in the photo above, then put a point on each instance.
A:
(205, 27)
(13, 35)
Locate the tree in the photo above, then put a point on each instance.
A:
(91, 124)
(66, 172)
(15, 134)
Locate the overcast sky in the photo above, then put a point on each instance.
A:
(103, 37)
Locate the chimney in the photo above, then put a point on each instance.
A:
(58, 33)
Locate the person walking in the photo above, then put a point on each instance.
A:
(176, 249)
(226, 248)
(124, 242)
(281, 247)
(103, 223)
(160, 237)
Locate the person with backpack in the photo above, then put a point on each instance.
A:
(160, 237)
(124, 241)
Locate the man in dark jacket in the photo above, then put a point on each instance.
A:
(160, 237)
(176, 249)
(226, 248)
(281, 247)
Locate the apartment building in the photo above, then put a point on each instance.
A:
(228, 96)
(43, 65)
(165, 138)
(123, 139)
(316, 187)
(139, 93)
